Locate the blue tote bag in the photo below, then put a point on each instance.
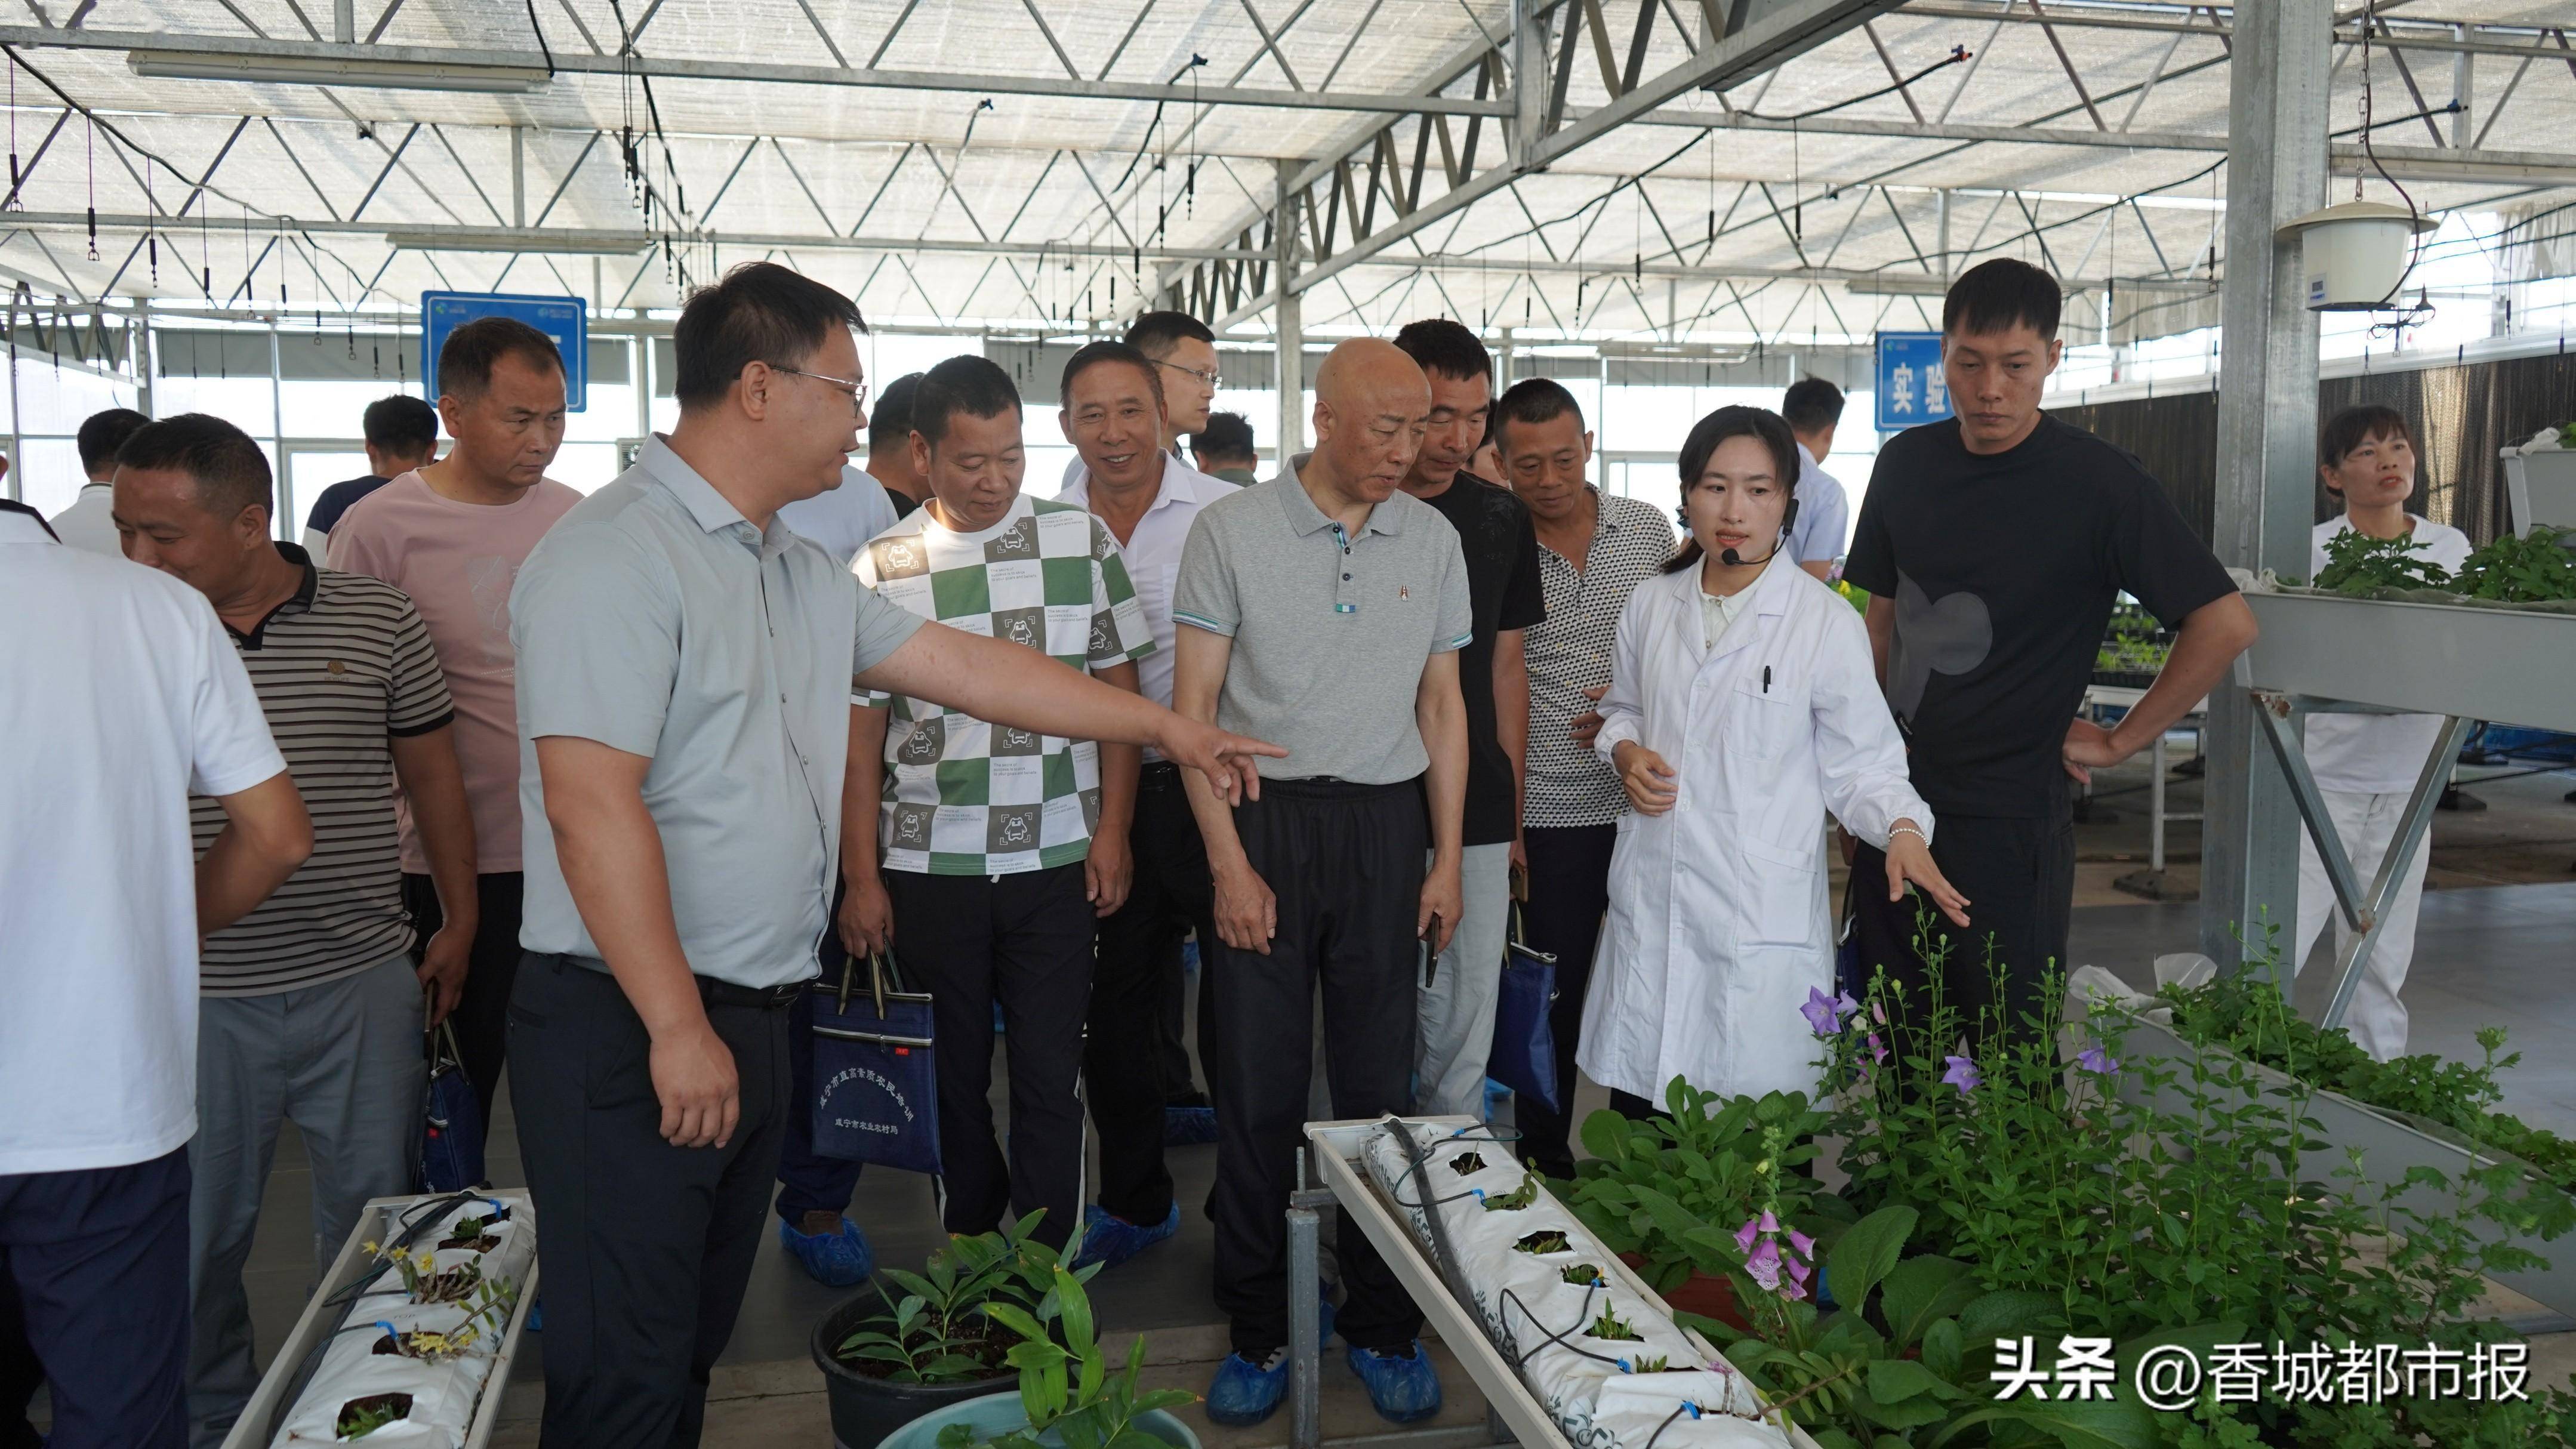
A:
(1524, 1051)
(451, 1137)
(876, 1096)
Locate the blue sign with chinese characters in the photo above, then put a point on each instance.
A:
(1911, 389)
(564, 319)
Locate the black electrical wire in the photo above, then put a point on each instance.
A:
(1957, 55)
(547, 50)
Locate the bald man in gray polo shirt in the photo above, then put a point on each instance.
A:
(1326, 607)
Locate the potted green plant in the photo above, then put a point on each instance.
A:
(1068, 1397)
(911, 1343)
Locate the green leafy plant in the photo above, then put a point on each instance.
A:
(1518, 1198)
(1546, 1240)
(363, 1416)
(1583, 1275)
(942, 1325)
(1650, 1365)
(1611, 1326)
(1066, 1387)
(2357, 563)
(2532, 568)
(1467, 1162)
(1656, 1188)
(2133, 643)
(2247, 1014)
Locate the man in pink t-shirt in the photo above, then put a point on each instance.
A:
(452, 534)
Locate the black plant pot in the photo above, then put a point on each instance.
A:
(864, 1409)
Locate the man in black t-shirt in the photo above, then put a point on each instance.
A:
(1456, 1021)
(1992, 546)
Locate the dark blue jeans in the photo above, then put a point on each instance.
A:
(94, 1297)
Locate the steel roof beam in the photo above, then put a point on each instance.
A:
(748, 72)
(2407, 163)
(547, 240)
(2506, 40)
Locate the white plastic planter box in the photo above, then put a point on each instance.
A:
(2389, 1147)
(2511, 666)
(330, 1356)
(1600, 1393)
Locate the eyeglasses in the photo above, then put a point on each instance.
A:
(857, 389)
(1206, 375)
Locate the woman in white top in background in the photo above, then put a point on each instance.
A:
(2367, 764)
(1743, 705)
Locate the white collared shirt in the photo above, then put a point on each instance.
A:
(1824, 513)
(125, 701)
(1153, 556)
(89, 523)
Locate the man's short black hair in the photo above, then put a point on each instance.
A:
(1992, 296)
(890, 413)
(230, 471)
(1228, 436)
(1447, 348)
(2355, 426)
(758, 312)
(1093, 354)
(1812, 405)
(1533, 400)
(466, 359)
(101, 434)
(401, 425)
(970, 384)
(1155, 334)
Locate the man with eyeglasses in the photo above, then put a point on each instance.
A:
(846, 515)
(685, 726)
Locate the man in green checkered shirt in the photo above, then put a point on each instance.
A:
(981, 854)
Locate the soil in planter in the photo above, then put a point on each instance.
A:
(363, 1416)
(1708, 1295)
(988, 1346)
(1465, 1163)
(483, 1244)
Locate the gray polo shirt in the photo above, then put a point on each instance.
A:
(655, 619)
(1330, 632)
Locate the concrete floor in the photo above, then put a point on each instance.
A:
(2486, 954)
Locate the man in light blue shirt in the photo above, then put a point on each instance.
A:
(1813, 407)
(843, 516)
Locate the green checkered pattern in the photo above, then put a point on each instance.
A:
(964, 797)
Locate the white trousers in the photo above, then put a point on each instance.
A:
(2366, 824)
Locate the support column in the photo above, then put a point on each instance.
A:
(1522, 132)
(2267, 426)
(1287, 311)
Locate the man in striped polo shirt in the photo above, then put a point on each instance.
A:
(312, 1006)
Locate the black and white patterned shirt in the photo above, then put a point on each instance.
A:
(1570, 652)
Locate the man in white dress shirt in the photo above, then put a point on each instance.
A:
(86, 524)
(1113, 415)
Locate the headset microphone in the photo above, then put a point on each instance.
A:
(1788, 517)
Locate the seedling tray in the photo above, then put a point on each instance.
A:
(267, 1411)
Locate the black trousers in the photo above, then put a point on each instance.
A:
(2019, 878)
(1023, 941)
(1135, 985)
(648, 1247)
(94, 1296)
(1346, 864)
(482, 1012)
(1569, 893)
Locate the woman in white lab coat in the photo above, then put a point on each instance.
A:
(1743, 706)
